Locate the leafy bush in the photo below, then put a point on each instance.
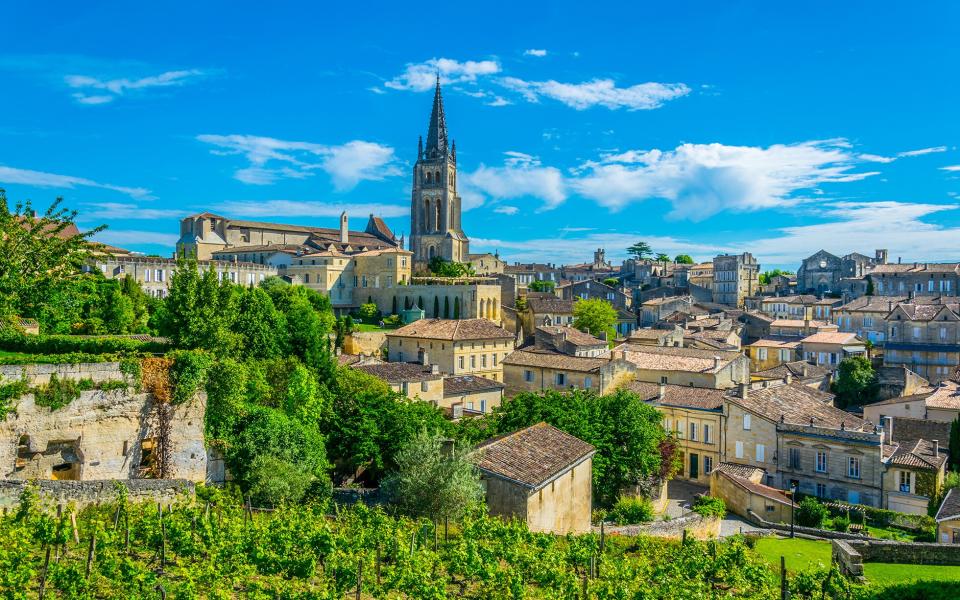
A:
(841, 524)
(392, 321)
(188, 374)
(66, 344)
(276, 482)
(112, 384)
(811, 513)
(631, 509)
(369, 312)
(57, 359)
(60, 392)
(709, 506)
(8, 393)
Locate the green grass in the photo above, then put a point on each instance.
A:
(799, 553)
(884, 574)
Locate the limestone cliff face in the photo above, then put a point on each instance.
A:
(100, 435)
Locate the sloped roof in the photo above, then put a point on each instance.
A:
(533, 456)
(797, 404)
(536, 357)
(906, 429)
(678, 395)
(950, 507)
(448, 329)
(832, 337)
(802, 323)
(738, 470)
(669, 358)
(550, 305)
(758, 488)
(400, 372)
(776, 342)
(927, 312)
(917, 454)
(573, 335)
(467, 384)
(794, 369)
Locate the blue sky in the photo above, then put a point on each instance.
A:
(698, 127)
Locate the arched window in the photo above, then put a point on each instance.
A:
(431, 251)
(428, 176)
(439, 220)
(483, 308)
(426, 214)
(437, 177)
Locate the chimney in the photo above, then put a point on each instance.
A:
(716, 362)
(788, 379)
(744, 390)
(344, 233)
(803, 370)
(434, 369)
(662, 391)
(936, 449)
(889, 430)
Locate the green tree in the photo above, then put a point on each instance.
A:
(40, 255)
(277, 482)
(663, 258)
(595, 315)
(118, 313)
(683, 259)
(261, 329)
(436, 307)
(856, 382)
(456, 307)
(639, 250)
(200, 310)
(955, 444)
(393, 306)
(611, 281)
(627, 433)
(870, 290)
(369, 312)
(541, 285)
(811, 513)
(440, 267)
(304, 400)
(434, 478)
(766, 276)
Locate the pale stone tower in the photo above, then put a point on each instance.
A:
(435, 207)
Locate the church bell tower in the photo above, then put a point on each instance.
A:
(435, 228)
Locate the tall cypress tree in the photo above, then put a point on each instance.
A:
(436, 307)
(456, 308)
(955, 444)
(446, 307)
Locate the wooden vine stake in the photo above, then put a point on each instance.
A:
(43, 576)
(359, 577)
(91, 552)
(163, 540)
(783, 578)
(73, 524)
(378, 565)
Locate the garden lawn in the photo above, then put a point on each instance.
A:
(370, 327)
(800, 554)
(884, 574)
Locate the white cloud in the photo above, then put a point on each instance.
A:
(346, 164)
(922, 151)
(419, 77)
(42, 179)
(863, 227)
(700, 180)
(598, 92)
(506, 210)
(125, 237)
(121, 210)
(535, 52)
(906, 154)
(951, 168)
(119, 87)
(313, 208)
(521, 175)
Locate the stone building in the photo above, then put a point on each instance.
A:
(924, 338)
(918, 279)
(435, 206)
(465, 395)
(735, 276)
(674, 336)
(595, 289)
(742, 490)
(769, 352)
(829, 348)
(154, 273)
(825, 273)
(937, 403)
(685, 366)
(486, 264)
(799, 328)
(414, 380)
(204, 233)
(541, 476)
(695, 416)
(866, 316)
(797, 436)
(458, 347)
(655, 310)
(915, 472)
(948, 518)
(799, 306)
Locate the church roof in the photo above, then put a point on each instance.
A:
(437, 132)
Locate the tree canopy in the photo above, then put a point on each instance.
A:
(541, 285)
(442, 267)
(639, 250)
(595, 315)
(662, 257)
(856, 382)
(683, 259)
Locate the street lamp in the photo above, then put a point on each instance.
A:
(793, 494)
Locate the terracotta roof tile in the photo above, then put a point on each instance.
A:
(532, 456)
(465, 384)
(399, 372)
(832, 337)
(678, 395)
(669, 358)
(797, 404)
(534, 357)
(950, 507)
(448, 329)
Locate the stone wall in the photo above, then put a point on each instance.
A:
(40, 374)
(694, 524)
(805, 531)
(365, 342)
(100, 435)
(83, 493)
(913, 553)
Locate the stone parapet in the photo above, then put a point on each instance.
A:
(82, 493)
(39, 374)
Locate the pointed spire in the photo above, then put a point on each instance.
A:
(453, 151)
(437, 133)
(420, 148)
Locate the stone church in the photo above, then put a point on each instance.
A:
(435, 228)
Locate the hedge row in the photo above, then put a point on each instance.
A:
(67, 344)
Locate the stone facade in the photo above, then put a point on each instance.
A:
(925, 338)
(478, 354)
(468, 298)
(84, 493)
(919, 279)
(154, 274)
(735, 277)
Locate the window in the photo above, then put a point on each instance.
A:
(706, 434)
(483, 361)
(527, 375)
(739, 450)
(746, 422)
(473, 361)
(707, 464)
(930, 286)
(916, 332)
(693, 432)
(423, 386)
(903, 479)
(561, 379)
(821, 461)
(663, 380)
(794, 458)
(460, 362)
(868, 321)
(821, 490)
(943, 333)
(761, 353)
(853, 467)
(588, 382)
(760, 452)
(494, 355)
